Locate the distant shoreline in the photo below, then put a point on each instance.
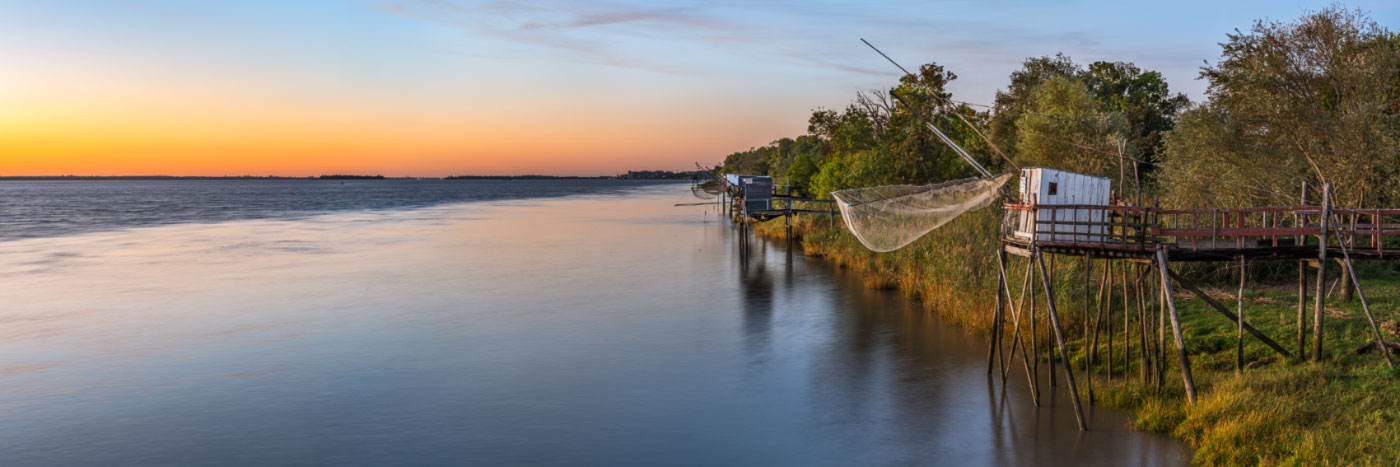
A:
(630, 175)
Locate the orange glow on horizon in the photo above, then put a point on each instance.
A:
(53, 139)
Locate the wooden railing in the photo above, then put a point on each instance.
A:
(1145, 227)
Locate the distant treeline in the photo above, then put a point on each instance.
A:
(1315, 99)
(662, 175)
(521, 177)
(351, 177)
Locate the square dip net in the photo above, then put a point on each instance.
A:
(886, 218)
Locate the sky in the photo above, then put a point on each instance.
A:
(440, 87)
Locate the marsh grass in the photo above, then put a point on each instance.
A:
(1340, 411)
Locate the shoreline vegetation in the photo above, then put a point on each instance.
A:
(1311, 100)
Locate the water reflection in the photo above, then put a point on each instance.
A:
(594, 330)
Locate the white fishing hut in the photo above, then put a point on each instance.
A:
(757, 190)
(1044, 186)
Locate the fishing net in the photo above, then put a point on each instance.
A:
(708, 190)
(886, 218)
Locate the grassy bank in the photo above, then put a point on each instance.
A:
(1339, 411)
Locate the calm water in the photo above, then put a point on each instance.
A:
(604, 327)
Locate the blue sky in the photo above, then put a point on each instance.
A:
(437, 86)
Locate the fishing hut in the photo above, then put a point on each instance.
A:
(1133, 248)
(1071, 215)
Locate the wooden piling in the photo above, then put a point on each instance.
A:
(1088, 378)
(1127, 334)
(1321, 272)
(1349, 269)
(1049, 351)
(1016, 334)
(1060, 342)
(1182, 358)
(1142, 325)
(993, 341)
(1302, 306)
(1035, 351)
(1239, 323)
(1161, 336)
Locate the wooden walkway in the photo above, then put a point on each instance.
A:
(1201, 234)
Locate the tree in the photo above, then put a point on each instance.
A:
(1142, 98)
(1312, 99)
(1062, 126)
(1010, 104)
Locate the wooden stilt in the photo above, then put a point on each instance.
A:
(1060, 341)
(1127, 334)
(1109, 324)
(1380, 342)
(1321, 272)
(1016, 337)
(1049, 351)
(1176, 326)
(1035, 351)
(1098, 324)
(1189, 286)
(1239, 323)
(1161, 334)
(1142, 325)
(1088, 376)
(1302, 306)
(996, 314)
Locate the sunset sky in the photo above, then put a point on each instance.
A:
(432, 88)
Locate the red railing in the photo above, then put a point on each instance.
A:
(1145, 227)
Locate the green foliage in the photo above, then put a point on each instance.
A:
(1062, 126)
(1316, 99)
(1313, 100)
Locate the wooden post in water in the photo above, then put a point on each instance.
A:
(1098, 324)
(1060, 341)
(1239, 324)
(1016, 334)
(1088, 376)
(1321, 272)
(1035, 351)
(993, 341)
(1182, 358)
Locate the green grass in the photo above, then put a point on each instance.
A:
(1339, 411)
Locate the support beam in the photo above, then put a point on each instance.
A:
(1088, 279)
(996, 316)
(1186, 284)
(1349, 269)
(1239, 323)
(1060, 341)
(1302, 307)
(1184, 360)
(1320, 300)
(1016, 334)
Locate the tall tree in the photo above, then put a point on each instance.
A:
(1313, 99)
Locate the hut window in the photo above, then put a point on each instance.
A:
(1054, 188)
